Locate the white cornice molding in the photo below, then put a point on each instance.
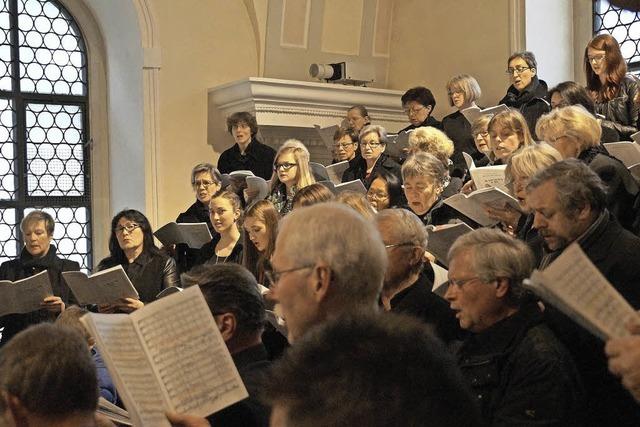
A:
(277, 102)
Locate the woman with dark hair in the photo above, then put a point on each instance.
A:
(418, 104)
(571, 93)
(385, 191)
(358, 117)
(611, 88)
(527, 93)
(260, 230)
(131, 246)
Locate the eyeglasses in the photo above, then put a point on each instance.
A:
(461, 282)
(377, 196)
(596, 59)
(482, 134)
(343, 145)
(517, 70)
(284, 166)
(129, 227)
(414, 110)
(373, 145)
(395, 245)
(273, 276)
(205, 183)
(455, 92)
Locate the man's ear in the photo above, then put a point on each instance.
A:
(502, 287)
(584, 214)
(227, 325)
(322, 277)
(417, 255)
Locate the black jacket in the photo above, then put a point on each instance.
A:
(458, 128)
(207, 252)
(150, 273)
(622, 188)
(429, 121)
(532, 102)
(359, 170)
(186, 257)
(622, 110)
(521, 375)
(252, 365)
(616, 253)
(417, 300)
(258, 158)
(26, 266)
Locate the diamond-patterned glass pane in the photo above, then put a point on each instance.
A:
(55, 160)
(5, 47)
(622, 24)
(7, 147)
(52, 58)
(8, 235)
(71, 235)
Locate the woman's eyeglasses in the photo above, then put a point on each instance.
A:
(129, 227)
(284, 166)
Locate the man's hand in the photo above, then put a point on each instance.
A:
(182, 420)
(128, 305)
(53, 304)
(624, 360)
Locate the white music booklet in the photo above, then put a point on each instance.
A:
(25, 295)
(104, 287)
(168, 356)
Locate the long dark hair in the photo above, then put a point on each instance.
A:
(615, 70)
(116, 252)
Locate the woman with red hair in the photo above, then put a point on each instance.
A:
(613, 90)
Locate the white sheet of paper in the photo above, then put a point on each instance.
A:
(25, 295)
(103, 287)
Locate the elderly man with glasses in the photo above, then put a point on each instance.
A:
(518, 370)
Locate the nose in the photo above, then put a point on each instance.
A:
(538, 221)
(450, 294)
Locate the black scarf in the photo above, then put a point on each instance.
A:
(536, 89)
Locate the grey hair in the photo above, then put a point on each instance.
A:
(319, 233)
(382, 133)
(406, 226)
(496, 255)
(205, 167)
(527, 56)
(576, 186)
(425, 164)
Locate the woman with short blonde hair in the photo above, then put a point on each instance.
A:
(570, 130)
(433, 141)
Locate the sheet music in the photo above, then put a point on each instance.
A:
(494, 197)
(326, 135)
(441, 238)
(25, 295)
(336, 170)
(635, 136)
(193, 234)
(489, 176)
(188, 353)
(582, 289)
(470, 208)
(103, 287)
(627, 152)
(440, 276)
(469, 161)
(472, 113)
(129, 367)
(356, 186)
(398, 145)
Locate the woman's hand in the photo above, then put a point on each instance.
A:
(127, 305)
(468, 187)
(505, 214)
(53, 304)
(107, 308)
(182, 420)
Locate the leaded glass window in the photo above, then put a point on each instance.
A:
(44, 155)
(623, 25)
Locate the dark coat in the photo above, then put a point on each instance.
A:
(418, 301)
(532, 102)
(258, 158)
(207, 252)
(458, 128)
(616, 253)
(26, 266)
(252, 365)
(429, 121)
(186, 257)
(521, 374)
(622, 110)
(622, 188)
(530, 236)
(150, 273)
(359, 170)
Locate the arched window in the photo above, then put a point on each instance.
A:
(623, 25)
(44, 127)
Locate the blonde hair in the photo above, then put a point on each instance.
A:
(301, 155)
(480, 125)
(433, 141)
(467, 85)
(427, 165)
(358, 202)
(574, 121)
(528, 160)
(515, 122)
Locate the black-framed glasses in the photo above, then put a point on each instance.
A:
(517, 70)
(377, 196)
(273, 276)
(373, 145)
(284, 166)
(397, 245)
(204, 182)
(414, 110)
(343, 145)
(596, 59)
(129, 227)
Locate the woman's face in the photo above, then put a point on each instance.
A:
(597, 59)
(241, 133)
(416, 112)
(557, 100)
(519, 190)
(344, 148)
(378, 195)
(129, 234)
(36, 238)
(205, 186)
(222, 214)
(257, 232)
(287, 169)
(421, 193)
(370, 146)
(457, 97)
(356, 121)
(503, 141)
(482, 142)
(521, 75)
